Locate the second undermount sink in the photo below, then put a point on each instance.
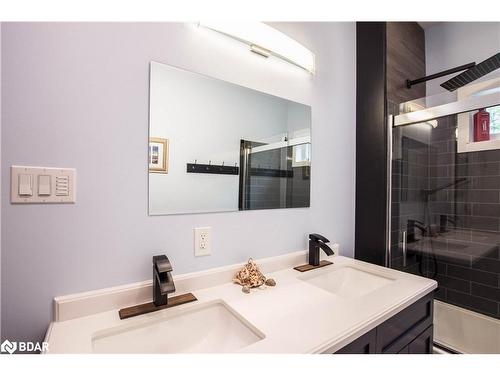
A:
(347, 282)
(209, 328)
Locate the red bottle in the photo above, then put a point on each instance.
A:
(481, 126)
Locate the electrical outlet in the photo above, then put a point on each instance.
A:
(202, 241)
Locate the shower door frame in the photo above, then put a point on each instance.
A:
(469, 104)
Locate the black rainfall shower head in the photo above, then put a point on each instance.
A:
(481, 69)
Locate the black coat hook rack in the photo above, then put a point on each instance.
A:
(211, 168)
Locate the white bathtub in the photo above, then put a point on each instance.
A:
(465, 331)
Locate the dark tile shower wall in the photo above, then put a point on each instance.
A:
(266, 192)
(465, 258)
(410, 176)
(405, 59)
(298, 195)
(463, 252)
(468, 256)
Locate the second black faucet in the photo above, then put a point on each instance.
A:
(316, 242)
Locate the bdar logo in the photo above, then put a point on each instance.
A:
(8, 347)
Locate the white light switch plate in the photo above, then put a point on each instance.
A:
(202, 241)
(42, 185)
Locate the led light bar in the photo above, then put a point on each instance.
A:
(265, 40)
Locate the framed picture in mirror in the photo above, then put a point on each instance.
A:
(158, 155)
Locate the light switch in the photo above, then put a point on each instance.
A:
(44, 185)
(62, 185)
(25, 185)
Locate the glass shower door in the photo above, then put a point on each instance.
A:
(445, 225)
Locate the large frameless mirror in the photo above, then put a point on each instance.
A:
(216, 146)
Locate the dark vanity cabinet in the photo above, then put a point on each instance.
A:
(408, 332)
(366, 344)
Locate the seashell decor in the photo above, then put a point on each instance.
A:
(251, 277)
(270, 282)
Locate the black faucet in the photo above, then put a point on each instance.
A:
(316, 242)
(163, 283)
(412, 224)
(443, 223)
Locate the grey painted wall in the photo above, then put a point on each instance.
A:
(450, 44)
(76, 95)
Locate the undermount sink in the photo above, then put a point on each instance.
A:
(210, 328)
(347, 282)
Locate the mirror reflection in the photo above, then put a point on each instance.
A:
(216, 146)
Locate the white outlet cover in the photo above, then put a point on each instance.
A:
(202, 241)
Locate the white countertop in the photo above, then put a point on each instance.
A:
(294, 316)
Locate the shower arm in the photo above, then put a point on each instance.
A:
(410, 83)
(429, 192)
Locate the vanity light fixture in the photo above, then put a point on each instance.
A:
(265, 41)
(260, 51)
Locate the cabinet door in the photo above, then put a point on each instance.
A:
(397, 332)
(423, 343)
(362, 345)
